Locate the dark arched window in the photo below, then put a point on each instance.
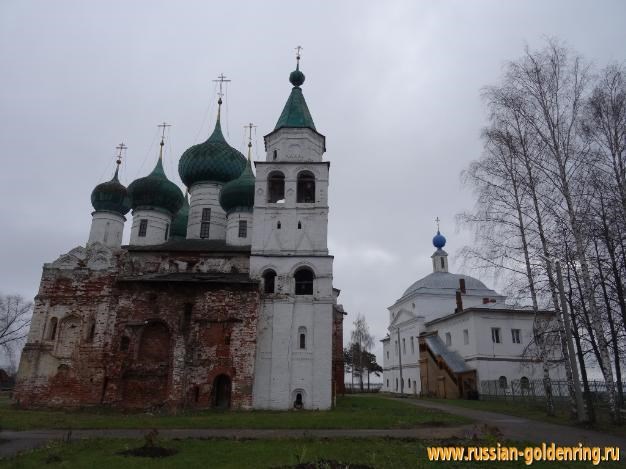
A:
(125, 343)
(52, 332)
(524, 383)
(502, 382)
(302, 337)
(269, 281)
(306, 187)
(304, 281)
(275, 187)
(298, 403)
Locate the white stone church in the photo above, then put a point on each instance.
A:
(448, 332)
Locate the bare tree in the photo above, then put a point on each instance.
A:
(552, 185)
(15, 314)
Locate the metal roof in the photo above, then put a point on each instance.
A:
(446, 283)
(454, 361)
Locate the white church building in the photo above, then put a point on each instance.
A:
(448, 332)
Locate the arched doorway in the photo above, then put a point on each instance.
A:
(221, 392)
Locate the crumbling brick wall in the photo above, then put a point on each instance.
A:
(116, 329)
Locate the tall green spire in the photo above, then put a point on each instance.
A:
(296, 112)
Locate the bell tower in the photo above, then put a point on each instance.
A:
(289, 254)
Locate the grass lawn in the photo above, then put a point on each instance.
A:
(351, 412)
(374, 452)
(536, 410)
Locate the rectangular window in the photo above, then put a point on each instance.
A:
(243, 228)
(465, 336)
(396, 343)
(515, 336)
(206, 223)
(403, 346)
(143, 228)
(495, 335)
(167, 231)
(387, 354)
(412, 345)
(448, 338)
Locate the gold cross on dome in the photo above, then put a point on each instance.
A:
(221, 79)
(163, 126)
(120, 149)
(298, 50)
(250, 126)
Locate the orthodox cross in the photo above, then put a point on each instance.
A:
(437, 221)
(221, 79)
(120, 148)
(250, 126)
(298, 49)
(163, 126)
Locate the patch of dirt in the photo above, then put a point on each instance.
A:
(150, 452)
(327, 464)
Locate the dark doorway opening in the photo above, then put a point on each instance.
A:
(221, 390)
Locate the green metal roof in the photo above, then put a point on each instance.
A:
(111, 196)
(156, 191)
(212, 160)
(238, 194)
(179, 223)
(296, 112)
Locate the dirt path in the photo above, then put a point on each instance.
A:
(521, 429)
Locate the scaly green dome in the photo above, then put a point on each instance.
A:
(155, 191)
(238, 195)
(111, 196)
(179, 223)
(214, 160)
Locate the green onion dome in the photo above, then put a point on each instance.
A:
(238, 194)
(212, 161)
(179, 223)
(155, 191)
(111, 196)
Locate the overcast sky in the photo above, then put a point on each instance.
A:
(394, 86)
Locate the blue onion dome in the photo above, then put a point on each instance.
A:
(111, 196)
(178, 228)
(238, 194)
(212, 161)
(439, 241)
(156, 191)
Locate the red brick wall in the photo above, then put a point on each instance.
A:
(338, 366)
(170, 362)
